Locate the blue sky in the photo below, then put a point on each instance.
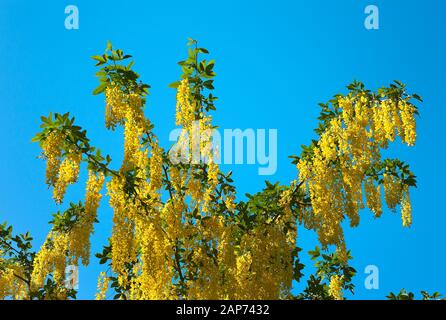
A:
(275, 60)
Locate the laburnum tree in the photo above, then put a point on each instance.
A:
(178, 230)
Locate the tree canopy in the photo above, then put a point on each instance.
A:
(179, 229)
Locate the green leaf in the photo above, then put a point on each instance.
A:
(101, 88)
(175, 84)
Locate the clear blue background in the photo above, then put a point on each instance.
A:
(275, 61)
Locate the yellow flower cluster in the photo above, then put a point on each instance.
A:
(264, 267)
(212, 178)
(52, 153)
(383, 121)
(51, 259)
(406, 210)
(229, 203)
(118, 104)
(59, 173)
(93, 195)
(7, 282)
(79, 235)
(227, 261)
(71, 245)
(373, 196)
(393, 118)
(185, 109)
(408, 124)
(12, 284)
(194, 189)
(335, 174)
(122, 240)
(68, 174)
(186, 114)
(134, 229)
(155, 270)
(156, 168)
(335, 287)
(209, 277)
(177, 179)
(393, 189)
(207, 152)
(103, 283)
(210, 274)
(286, 198)
(260, 267)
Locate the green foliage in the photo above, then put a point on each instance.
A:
(65, 221)
(407, 295)
(122, 75)
(16, 250)
(200, 74)
(394, 167)
(75, 138)
(327, 265)
(50, 291)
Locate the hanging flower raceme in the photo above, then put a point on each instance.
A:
(11, 281)
(123, 239)
(264, 264)
(93, 195)
(103, 283)
(335, 287)
(155, 280)
(7, 282)
(406, 209)
(68, 174)
(185, 109)
(393, 189)
(51, 259)
(156, 167)
(52, 152)
(408, 124)
(79, 235)
(116, 106)
(373, 196)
